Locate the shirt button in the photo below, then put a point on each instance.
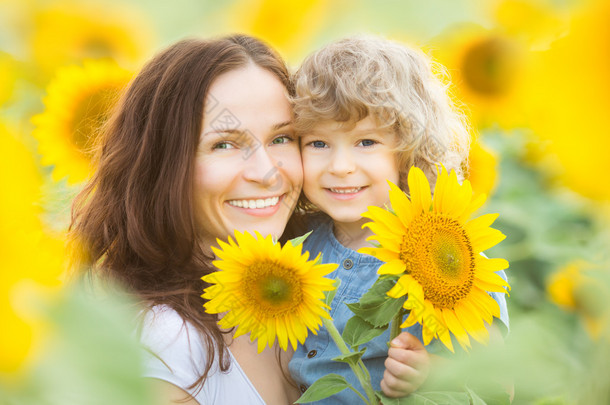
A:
(312, 354)
(348, 264)
(303, 387)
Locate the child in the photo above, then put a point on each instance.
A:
(367, 109)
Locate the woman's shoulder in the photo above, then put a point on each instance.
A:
(174, 351)
(177, 352)
(167, 335)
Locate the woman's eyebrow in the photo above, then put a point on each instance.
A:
(281, 125)
(227, 131)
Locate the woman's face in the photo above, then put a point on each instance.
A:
(248, 165)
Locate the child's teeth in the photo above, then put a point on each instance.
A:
(345, 190)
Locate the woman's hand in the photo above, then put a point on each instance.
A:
(406, 367)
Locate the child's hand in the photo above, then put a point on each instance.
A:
(406, 367)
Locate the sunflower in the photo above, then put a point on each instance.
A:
(9, 69)
(537, 23)
(436, 250)
(571, 123)
(287, 26)
(268, 290)
(577, 287)
(70, 32)
(483, 168)
(21, 233)
(77, 104)
(487, 68)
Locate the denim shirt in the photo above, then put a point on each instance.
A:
(357, 273)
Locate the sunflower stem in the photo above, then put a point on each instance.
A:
(358, 368)
(396, 322)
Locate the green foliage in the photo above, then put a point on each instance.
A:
(91, 355)
(427, 398)
(324, 387)
(375, 307)
(329, 296)
(350, 358)
(358, 331)
(299, 239)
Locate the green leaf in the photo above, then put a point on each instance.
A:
(427, 398)
(378, 291)
(324, 387)
(375, 306)
(358, 331)
(474, 398)
(329, 296)
(350, 358)
(489, 395)
(299, 239)
(380, 312)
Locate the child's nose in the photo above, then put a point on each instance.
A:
(342, 162)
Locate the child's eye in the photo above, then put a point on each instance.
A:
(367, 142)
(282, 139)
(317, 144)
(223, 145)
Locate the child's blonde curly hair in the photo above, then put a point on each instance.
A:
(356, 77)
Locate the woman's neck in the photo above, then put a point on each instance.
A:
(351, 234)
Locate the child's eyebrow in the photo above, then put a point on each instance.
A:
(361, 132)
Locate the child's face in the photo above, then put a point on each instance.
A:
(345, 171)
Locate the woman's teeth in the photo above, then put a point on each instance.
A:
(260, 203)
(345, 190)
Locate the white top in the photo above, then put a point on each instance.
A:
(182, 358)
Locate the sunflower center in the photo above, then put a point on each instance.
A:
(489, 67)
(439, 256)
(91, 113)
(275, 289)
(272, 288)
(98, 48)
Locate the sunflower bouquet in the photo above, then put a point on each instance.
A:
(434, 270)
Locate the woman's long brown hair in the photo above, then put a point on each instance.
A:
(134, 222)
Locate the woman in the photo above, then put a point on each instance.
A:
(200, 145)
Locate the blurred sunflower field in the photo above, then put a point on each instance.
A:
(533, 76)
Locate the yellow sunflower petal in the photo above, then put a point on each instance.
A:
(450, 197)
(380, 216)
(394, 267)
(483, 240)
(419, 188)
(456, 328)
(475, 203)
(491, 265)
(383, 254)
(401, 287)
(480, 223)
(400, 204)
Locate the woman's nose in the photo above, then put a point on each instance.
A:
(261, 167)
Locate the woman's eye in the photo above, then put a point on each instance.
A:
(281, 139)
(367, 142)
(223, 145)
